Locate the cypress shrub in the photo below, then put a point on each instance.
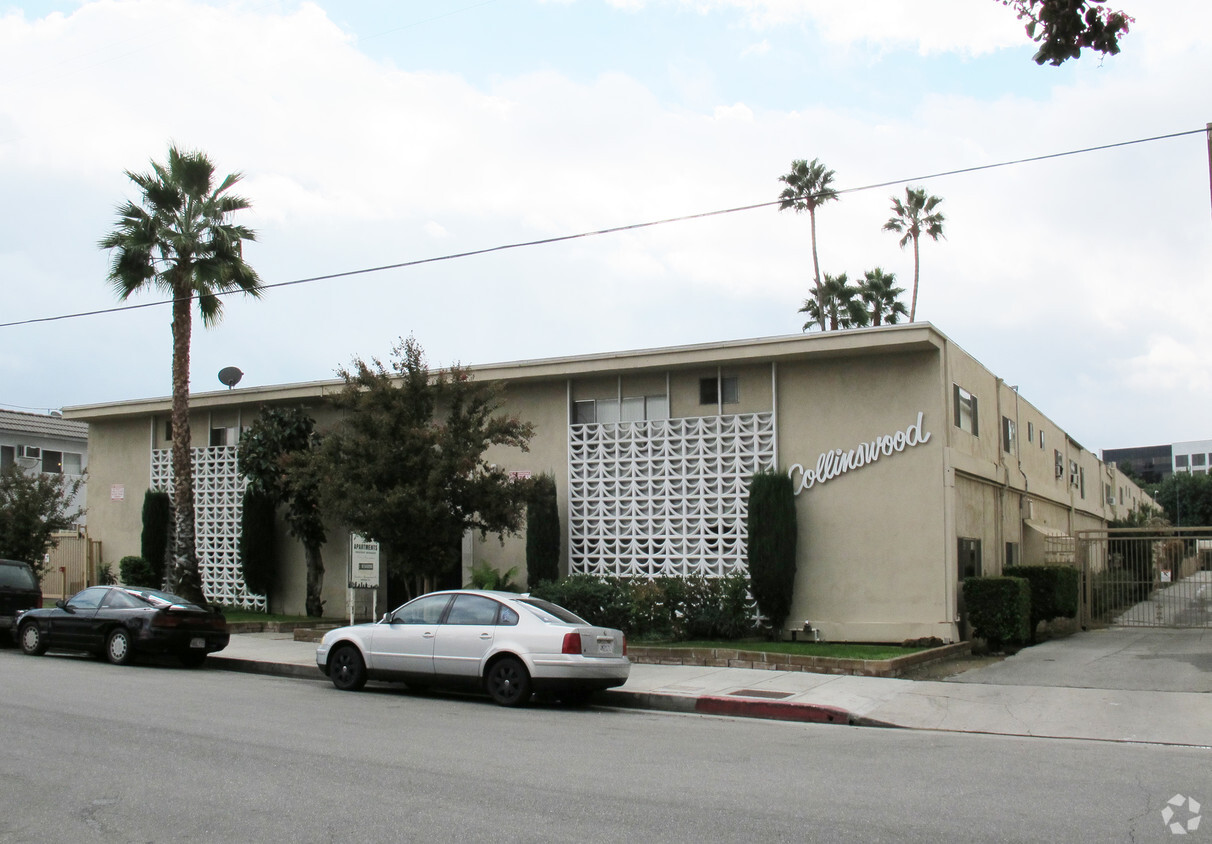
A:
(772, 540)
(542, 531)
(136, 571)
(257, 541)
(999, 609)
(1054, 590)
(157, 524)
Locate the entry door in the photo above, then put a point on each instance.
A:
(466, 636)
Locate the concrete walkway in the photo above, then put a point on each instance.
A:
(1111, 685)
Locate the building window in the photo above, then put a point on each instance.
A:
(1060, 465)
(52, 462)
(1011, 554)
(1180, 461)
(1199, 460)
(633, 409)
(1041, 438)
(709, 390)
(223, 436)
(1030, 432)
(168, 431)
(969, 557)
(8, 456)
(1008, 435)
(965, 411)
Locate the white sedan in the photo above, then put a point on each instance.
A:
(505, 644)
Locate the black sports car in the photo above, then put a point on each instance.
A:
(121, 622)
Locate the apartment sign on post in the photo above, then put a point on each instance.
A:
(836, 462)
(363, 563)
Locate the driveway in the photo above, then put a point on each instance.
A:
(1132, 658)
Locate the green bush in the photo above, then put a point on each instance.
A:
(693, 607)
(157, 525)
(1054, 590)
(257, 534)
(542, 531)
(999, 609)
(136, 571)
(772, 539)
(105, 574)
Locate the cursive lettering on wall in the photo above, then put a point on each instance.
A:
(830, 464)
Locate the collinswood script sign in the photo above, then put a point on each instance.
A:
(838, 462)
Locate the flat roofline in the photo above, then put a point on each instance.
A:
(920, 336)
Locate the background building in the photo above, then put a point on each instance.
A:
(46, 443)
(914, 466)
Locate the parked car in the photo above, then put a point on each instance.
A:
(121, 623)
(505, 644)
(19, 590)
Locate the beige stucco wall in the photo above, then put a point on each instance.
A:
(120, 474)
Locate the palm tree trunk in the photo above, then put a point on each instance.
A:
(913, 307)
(183, 578)
(816, 273)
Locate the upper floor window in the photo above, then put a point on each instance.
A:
(1008, 434)
(719, 390)
(1199, 460)
(224, 436)
(1180, 461)
(965, 411)
(631, 409)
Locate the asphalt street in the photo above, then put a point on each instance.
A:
(94, 752)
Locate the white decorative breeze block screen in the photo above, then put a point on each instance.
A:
(218, 502)
(664, 498)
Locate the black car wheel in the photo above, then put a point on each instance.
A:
(508, 682)
(32, 641)
(118, 648)
(347, 669)
(192, 659)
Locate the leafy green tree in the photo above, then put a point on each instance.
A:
(405, 464)
(808, 187)
(1186, 499)
(880, 294)
(157, 521)
(1063, 28)
(276, 456)
(33, 508)
(773, 533)
(542, 530)
(843, 307)
(180, 241)
(913, 218)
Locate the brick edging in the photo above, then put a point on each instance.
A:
(738, 658)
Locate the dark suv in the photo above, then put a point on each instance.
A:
(19, 590)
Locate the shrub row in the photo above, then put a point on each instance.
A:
(999, 609)
(677, 608)
(1054, 590)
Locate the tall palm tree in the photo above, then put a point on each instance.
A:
(843, 308)
(913, 218)
(807, 188)
(179, 240)
(879, 291)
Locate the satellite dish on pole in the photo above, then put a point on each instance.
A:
(230, 376)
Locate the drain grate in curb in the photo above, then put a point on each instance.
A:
(762, 693)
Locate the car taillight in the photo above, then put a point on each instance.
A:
(164, 619)
(572, 643)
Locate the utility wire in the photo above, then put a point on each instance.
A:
(613, 230)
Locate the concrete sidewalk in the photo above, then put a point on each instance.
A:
(1175, 716)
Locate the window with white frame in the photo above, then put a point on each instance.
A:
(630, 409)
(724, 390)
(1008, 434)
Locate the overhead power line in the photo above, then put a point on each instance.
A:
(613, 230)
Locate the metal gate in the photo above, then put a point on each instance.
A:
(1146, 577)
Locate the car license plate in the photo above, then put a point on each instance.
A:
(606, 647)
(197, 642)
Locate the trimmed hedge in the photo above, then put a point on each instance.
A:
(773, 533)
(258, 556)
(1054, 590)
(542, 531)
(678, 608)
(999, 609)
(136, 571)
(157, 526)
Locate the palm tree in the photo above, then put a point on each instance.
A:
(915, 217)
(843, 308)
(807, 188)
(880, 293)
(179, 240)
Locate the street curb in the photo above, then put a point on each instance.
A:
(253, 666)
(772, 710)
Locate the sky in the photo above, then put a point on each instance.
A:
(372, 134)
